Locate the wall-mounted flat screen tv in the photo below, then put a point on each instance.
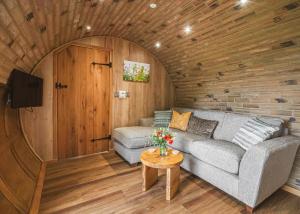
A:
(25, 90)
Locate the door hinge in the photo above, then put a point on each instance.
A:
(102, 138)
(104, 64)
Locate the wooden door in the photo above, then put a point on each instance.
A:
(83, 104)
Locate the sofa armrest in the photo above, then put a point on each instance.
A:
(147, 122)
(266, 167)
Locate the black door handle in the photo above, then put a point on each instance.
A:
(58, 85)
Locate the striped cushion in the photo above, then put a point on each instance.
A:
(253, 132)
(162, 118)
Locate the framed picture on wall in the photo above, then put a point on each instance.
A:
(136, 71)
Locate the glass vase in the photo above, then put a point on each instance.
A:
(163, 150)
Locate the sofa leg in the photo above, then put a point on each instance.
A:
(249, 210)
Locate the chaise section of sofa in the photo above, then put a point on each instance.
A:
(130, 142)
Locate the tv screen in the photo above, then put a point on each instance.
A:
(26, 90)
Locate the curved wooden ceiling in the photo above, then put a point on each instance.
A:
(29, 29)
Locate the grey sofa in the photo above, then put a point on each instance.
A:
(250, 176)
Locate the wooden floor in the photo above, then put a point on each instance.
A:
(107, 184)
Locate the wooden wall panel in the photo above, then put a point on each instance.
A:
(19, 166)
(246, 64)
(144, 97)
(6, 206)
(39, 121)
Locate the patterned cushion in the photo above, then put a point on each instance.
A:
(253, 132)
(180, 121)
(162, 118)
(201, 126)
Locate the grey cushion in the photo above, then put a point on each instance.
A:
(201, 126)
(162, 118)
(219, 153)
(231, 125)
(274, 122)
(133, 137)
(183, 140)
(253, 132)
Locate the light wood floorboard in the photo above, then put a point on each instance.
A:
(107, 184)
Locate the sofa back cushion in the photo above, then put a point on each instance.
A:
(231, 124)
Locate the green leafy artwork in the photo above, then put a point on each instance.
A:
(136, 71)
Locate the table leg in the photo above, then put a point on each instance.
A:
(149, 177)
(173, 180)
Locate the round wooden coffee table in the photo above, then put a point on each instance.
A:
(152, 161)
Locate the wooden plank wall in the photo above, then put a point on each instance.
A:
(21, 170)
(249, 65)
(144, 97)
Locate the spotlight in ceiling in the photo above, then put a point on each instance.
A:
(187, 29)
(153, 5)
(157, 45)
(88, 27)
(243, 2)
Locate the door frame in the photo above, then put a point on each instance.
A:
(55, 103)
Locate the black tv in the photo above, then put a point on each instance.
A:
(25, 90)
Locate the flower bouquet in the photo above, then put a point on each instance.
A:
(160, 138)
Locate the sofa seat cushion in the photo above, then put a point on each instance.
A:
(219, 153)
(133, 137)
(183, 140)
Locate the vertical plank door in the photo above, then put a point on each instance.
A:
(101, 74)
(82, 101)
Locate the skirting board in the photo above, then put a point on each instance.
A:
(291, 190)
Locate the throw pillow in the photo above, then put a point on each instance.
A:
(253, 132)
(162, 118)
(201, 126)
(180, 121)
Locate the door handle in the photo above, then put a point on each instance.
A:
(58, 85)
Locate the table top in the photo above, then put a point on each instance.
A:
(154, 160)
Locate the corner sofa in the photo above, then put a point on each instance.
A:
(250, 176)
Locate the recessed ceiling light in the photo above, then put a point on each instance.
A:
(243, 2)
(157, 44)
(88, 27)
(187, 29)
(153, 5)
